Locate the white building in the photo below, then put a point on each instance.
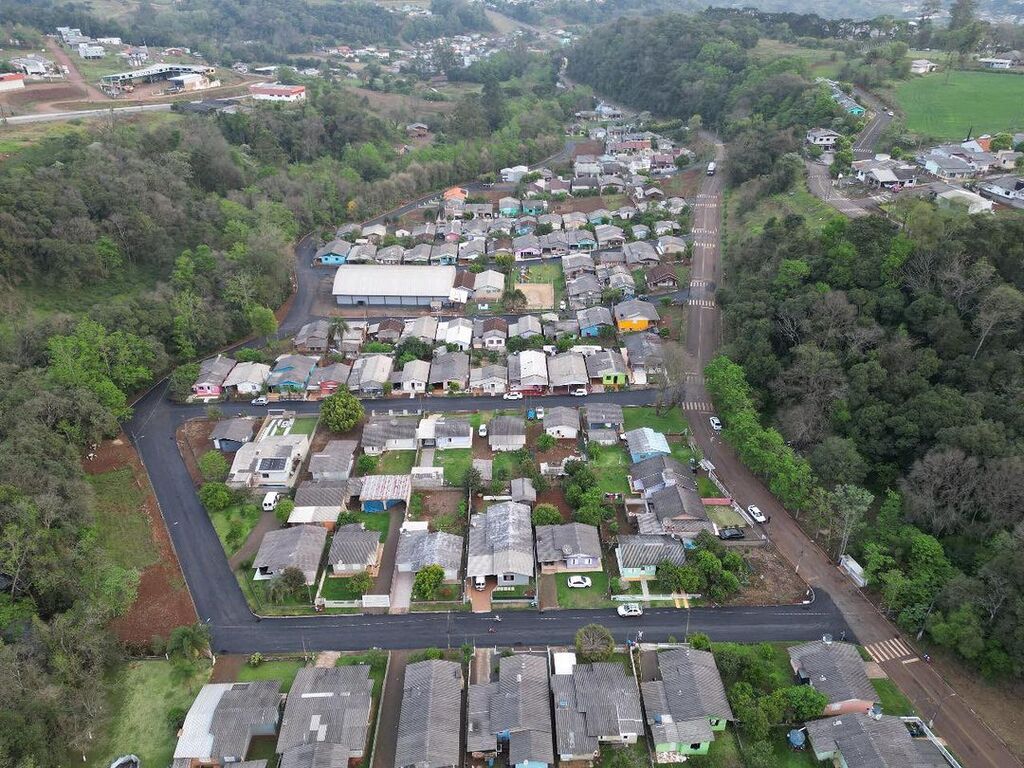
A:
(405, 285)
(11, 82)
(277, 92)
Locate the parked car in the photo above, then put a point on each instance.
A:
(716, 423)
(756, 513)
(579, 582)
(730, 533)
(581, 392)
(261, 400)
(539, 412)
(513, 396)
(480, 583)
(270, 501)
(482, 430)
(629, 610)
(890, 113)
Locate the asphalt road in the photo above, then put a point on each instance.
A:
(864, 146)
(819, 182)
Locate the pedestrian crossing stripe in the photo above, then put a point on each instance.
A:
(705, 407)
(888, 650)
(700, 283)
(701, 302)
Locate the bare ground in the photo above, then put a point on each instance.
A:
(193, 441)
(772, 579)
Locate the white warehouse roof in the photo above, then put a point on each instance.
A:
(393, 280)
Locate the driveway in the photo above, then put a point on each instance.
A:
(401, 592)
(390, 707)
(480, 599)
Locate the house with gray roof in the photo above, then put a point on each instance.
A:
(677, 510)
(640, 254)
(334, 462)
(836, 670)
(213, 372)
(419, 548)
(389, 433)
(224, 719)
(299, 547)
(645, 355)
(450, 370)
(635, 315)
(608, 369)
(370, 373)
(501, 544)
(506, 433)
(657, 472)
(523, 491)
(354, 550)
(291, 373)
(415, 376)
(319, 503)
(247, 378)
(313, 337)
(525, 327)
(862, 741)
(592, 320)
(644, 442)
(686, 706)
(329, 379)
(513, 713)
(567, 371)
(594, 703)
(229, 435)
(562, 422)
(528, 370)
(444, 432)
(603, 422)
(583, 291)
(488, 379)
(568, 547)
(430, 720)
(326, 716)
(638, 556)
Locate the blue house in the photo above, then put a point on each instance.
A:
(593, 319)
(645, 443)
(291, 373)
(382, 492)
(534, 207)
(333, 254)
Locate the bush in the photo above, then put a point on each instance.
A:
(284, 510)
(545, 442)
(213, 467)
(362, 582)
(367, 464)
(428, 581)
(546, 514)
(594, 642)
(255, 659)
(215, 497)
(700, 641)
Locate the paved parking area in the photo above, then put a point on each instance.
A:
(401, 592)
(480, 599)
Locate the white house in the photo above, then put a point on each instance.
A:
(996, 63)
(277, 92)
(922, 67)
(514, 174)
(823, 137)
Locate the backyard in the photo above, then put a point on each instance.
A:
(395, 463)
(947, 105)
(234, 524)
(668, 422)
(455, 462)
(611, 466)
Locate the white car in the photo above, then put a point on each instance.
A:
(755, 512)
(539, 413)
(482, 430)
(270, 501)
(579, 582)
(716, 423)
(890, 113)
(261, 400)
(513, 396)
(561, 305)
(581, 392)
(628, 610)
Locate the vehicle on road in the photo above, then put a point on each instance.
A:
(539, 413)
(581, 392)
(579, 582)
(727, 534)
(270, 501)
(629, 610)
(513, 396)
(482, 430)
(261, 400)
(756, 513)
(890, 113)
(711, 168)
(716, 423)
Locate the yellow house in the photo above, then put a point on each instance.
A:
(635, 315)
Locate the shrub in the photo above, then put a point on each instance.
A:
(594, 642)
(366, 464)
(255, 659)
(215, 497)
(283, 510)
(428, 581)
(545, 442)
(546, 514)
(213, 466)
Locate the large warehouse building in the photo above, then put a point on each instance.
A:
(405, 285)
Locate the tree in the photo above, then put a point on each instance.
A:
(336, 328)
(284, 509)
(189, 642)
(546, 514)
(341, 411)
(849, 503)
(262, 321)
(427, 582)
(362, 582)
(289, 584)
(213, 466)
(836, 461)
(215, 497)
(1000, 313)
(179, 383)
(594, 642)
(800, 703)
(545, 442)
(472, 479)
(590, 514)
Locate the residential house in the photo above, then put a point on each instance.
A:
(392, 254)
(488, 286)
(423, 328)
(1005, 187)
(488, 380)
(644, 442)
(501, 544)
(457, 331)
(247, 378)
(603, 422)
(580, 240)
(640, 254)
(556, 329)
(523, 491)
(594, 703)
(577, 264)
(662, 277)
(514, 174)
(583, 292)
(599, 216)
(593, 320)
(963, 199)
(326, 717)
(665, 227)
(836, 670)
(617, 277)
(871, 741)
(657, 472)
(645, 355)
(639, 555)
(228, 435)
(676, 510)
(994, 62)
(474, 249)
(534, 207)
(417, 130)
(635, 315)
(509, 206)
(586, 165)
(291, 373)
(224, 719)
(513, 713)
(686, 706)
(822, 137)
(328, 380)
(506, 433)
(362, 253)
(270, 461)
(299, 547)
(442, 432)
(567, 371)
(524, 327)
(526, 247)
(430, 720)
(313, 337)
(480, 210)
(334, 462)
(389, 433)
(449, 371)
(553, 220)
(568, 547)
(562, 422)
(380, 493)
(355, 550)
(574, 220)
(213, 372)
(607, 368)
(353, 336)
(375, 232)
(670, 245)
(491, 333)
(946, 167)
(418, 548)
(528, 371)
(922, 67)
(419, 254)
(415, 376)
(609, 236)
(445, 254)
(370, 373)
(333, 253)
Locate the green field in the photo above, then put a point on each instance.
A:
(611, 466)
(122, 527)
(668, 422)
(595, 596)
(283, 671)
(821, 62)
(946, 105)
(455, 462)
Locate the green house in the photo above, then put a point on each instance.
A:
(607, 368)
(687, 706)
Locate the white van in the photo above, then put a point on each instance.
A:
(270, 501)
(480, 583)
(711, 168)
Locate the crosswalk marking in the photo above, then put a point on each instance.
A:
(700, 283)
(698, 406)
(708, 303)
(888, 650)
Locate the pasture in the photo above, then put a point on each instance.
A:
(946, 105)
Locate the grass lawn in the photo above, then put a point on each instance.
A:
(375, 521)
(339, 588)
(122, 527)
(707, 489)
(681, 452)
(787, 757)
(723, 753)
(611, 466)
(257, 594)
(821, 62)
(798, 201)
(892, 699)
(725, 517)
(144, 694)
(396, 463)
(671, 421)
(548, 273)
(283, 670)
(377, 661)
(595, 596)
(234, 525)
(506, 464)
(455, 462)
(945, 105)
(683, 275)
(304, 426)
(623, 756)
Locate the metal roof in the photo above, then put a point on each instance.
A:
(501, 541)
(328, 705)
(221, 721)
(559, 542)
(430, 721)
(299, 547)
(835, 669)
(866, 742)
(418, 549)
(689, 694)
(394, 280)
(645, 550)
(354, 545)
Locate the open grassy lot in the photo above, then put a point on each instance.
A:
(234, 525)
(681, 452)
(548, 273)
(506, 464)
(611, 465)
(892, 699)
(821, 62)
(798, 201)
(707, 489)
(125, 283)
(283, 670)
(396, 463)
(595, 596)
(122, 527)
(670, 421)
(455, 462)
(725, 517)
(143, 695)
(946, 105)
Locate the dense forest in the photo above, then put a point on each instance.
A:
(889, 359)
